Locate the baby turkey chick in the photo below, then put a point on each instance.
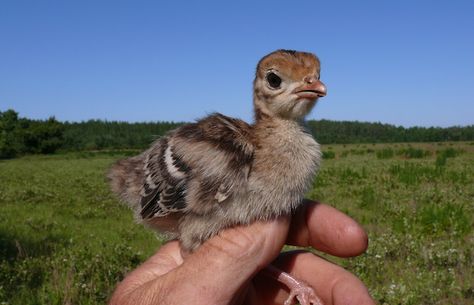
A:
(218, 172)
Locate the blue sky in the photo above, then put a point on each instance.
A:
(400, 62)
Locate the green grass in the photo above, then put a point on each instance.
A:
(64, 239)
(419, 214)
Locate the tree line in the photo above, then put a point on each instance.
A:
(25, 136)
(345, 132)
(19, 136)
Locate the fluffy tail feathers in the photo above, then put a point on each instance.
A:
(126, 178)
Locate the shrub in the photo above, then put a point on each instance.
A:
(329, 155)
(445, 218)
(443, 155)
(385, 153)
(414, 153)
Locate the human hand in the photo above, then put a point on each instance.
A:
(224, 270)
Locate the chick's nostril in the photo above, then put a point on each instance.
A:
(309, 79)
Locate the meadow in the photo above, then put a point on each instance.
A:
(65, 239)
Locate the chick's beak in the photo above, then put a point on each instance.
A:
(313, 89)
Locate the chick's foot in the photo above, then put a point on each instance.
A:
(303, 293)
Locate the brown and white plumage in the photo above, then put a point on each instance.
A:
(220, 171)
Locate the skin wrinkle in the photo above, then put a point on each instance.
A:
(154, 283)
(348, 299)
(131, 297)
(274, 243)
(192, 271)
(251, 241)
(235, 245)
(224, 266)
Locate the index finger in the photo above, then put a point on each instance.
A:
(327, 229)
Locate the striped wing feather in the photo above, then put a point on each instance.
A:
(196, 167)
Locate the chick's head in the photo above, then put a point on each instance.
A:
(287, 84)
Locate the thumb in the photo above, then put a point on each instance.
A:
(221, 267)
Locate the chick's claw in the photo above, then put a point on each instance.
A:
(304, 294)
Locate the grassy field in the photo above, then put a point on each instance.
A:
(64, 239)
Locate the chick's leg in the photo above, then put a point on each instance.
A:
(302, 291)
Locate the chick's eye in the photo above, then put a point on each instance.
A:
(273, 80)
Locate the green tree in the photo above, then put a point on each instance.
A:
(10, 142)
(43, 137)
(22, 136)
